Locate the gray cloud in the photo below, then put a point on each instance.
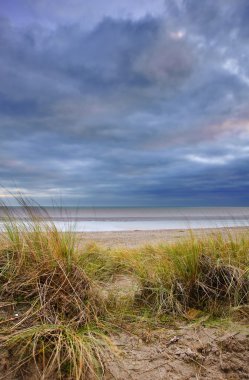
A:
(150, 108)
(88, 12)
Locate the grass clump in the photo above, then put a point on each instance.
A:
(57, 351)
(39, 265)
(52, 308)
(208, 274)
(191, 274)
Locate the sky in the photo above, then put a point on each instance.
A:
(125, 102)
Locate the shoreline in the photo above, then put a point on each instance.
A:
(137, 238)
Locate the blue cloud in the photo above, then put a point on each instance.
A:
(143, 109)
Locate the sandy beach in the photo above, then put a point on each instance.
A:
(138, 237)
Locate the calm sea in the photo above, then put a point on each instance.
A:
(127, 219)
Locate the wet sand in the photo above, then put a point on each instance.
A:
(138, 237)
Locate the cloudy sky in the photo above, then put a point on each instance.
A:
(125, 102)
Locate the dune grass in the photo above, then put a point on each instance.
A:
(210, 274)
(57, 305)
(57, 351)
(52, 310)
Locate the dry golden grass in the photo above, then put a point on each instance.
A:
(52, 309)
(210, 274)
(54, 314)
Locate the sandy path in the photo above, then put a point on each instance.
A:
(186, 353)
(136, 237)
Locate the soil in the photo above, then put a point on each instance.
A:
(186, 353)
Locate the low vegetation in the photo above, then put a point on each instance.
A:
(60, 300)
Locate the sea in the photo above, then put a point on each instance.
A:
(93, 219)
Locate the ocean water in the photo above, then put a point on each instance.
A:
(128, 219)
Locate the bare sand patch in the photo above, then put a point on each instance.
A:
(138, 237)
(186, 353)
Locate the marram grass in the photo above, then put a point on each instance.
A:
(210, 274)
(57, 351)
(52, 310)
(59, 299)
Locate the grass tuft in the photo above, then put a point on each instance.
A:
(55, 352)
(52, 309)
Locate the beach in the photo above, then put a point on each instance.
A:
(124, 304)
(138, 237)
(124, 202)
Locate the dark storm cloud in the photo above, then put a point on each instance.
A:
(149, 108)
